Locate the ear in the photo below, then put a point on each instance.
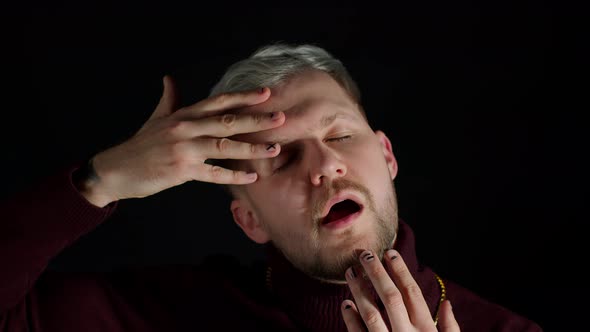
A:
(388, 153)
(248, 222)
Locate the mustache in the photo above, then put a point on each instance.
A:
(334, 188)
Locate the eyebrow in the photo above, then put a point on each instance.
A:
(329, 119)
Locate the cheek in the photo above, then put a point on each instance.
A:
(370, 168)
(369, 160)
(280, 204)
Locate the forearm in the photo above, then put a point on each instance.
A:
(36, 226)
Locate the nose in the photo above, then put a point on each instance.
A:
(325, 165)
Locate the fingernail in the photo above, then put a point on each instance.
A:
(351, 272)
(367, 255)
(271, 147)
(392, 254)
(251, 176)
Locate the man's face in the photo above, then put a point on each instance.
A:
(329, 193)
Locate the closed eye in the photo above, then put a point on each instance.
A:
(340, 139)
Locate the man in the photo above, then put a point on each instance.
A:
(309, 178)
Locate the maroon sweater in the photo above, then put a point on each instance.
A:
(218, 295)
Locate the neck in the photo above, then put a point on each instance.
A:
(315, 303)
(343, 281)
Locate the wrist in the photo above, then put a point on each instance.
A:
(90, 184)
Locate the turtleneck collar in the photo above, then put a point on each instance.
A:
(314, 305)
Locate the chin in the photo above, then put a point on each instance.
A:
(352, 248)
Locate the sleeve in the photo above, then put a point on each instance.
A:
(35, 226)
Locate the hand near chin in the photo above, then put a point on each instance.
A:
(173, 145)
(403, 300)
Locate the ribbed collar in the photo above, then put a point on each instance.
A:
(315, 305)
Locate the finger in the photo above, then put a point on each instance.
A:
(228, 124)
(389, 294)
(220, 175)
(224, 148)
(412, 294)
(446, 318)
(225, 101)
(351, 317)
(367, 308)
(167, 102)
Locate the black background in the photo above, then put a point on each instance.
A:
(483, 102)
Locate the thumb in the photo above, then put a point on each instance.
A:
(167, 103)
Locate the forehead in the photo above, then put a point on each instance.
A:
(310, 99)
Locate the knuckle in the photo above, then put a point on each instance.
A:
(228, 120)
(179, 166)
(177, 152)
(392, 299)
(222, 99)
(371, 318)
(175, 128)
(413, 290)
(222, 144)
(216, 172)
(236, 175)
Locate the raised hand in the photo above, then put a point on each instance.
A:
(172, 146)
(403, 300)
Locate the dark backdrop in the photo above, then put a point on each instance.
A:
(482, 102)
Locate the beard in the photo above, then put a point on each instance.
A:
(317, 259)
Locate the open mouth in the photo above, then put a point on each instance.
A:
(341, 210)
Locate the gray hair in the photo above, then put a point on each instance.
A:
(273, 64)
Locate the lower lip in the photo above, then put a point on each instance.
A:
(343, 222)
